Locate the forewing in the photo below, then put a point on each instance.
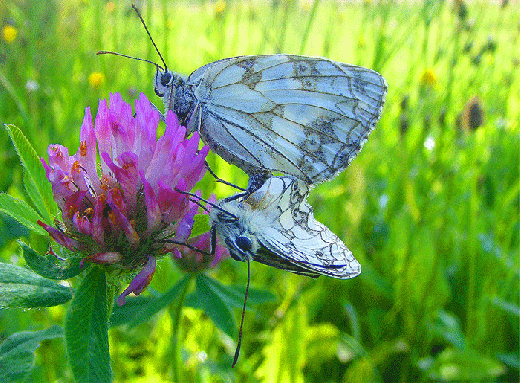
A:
(301, 116)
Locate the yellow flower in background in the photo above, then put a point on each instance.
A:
(306, 5)
(9, 32)
(429, 78)
(96, 79)
(220, 5)
(110, 6)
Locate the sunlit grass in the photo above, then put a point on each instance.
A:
(430, 208)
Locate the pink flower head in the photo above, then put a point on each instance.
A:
(194, 261)
(120, 211)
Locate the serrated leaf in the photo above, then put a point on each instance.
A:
(22, 212)
(141, 310)
(200, 225)
(17, 352)
(11, 229)
(35, 173)
(86, 330)
(49, 266)
(215, 305)
(20, 287)
(32, 192)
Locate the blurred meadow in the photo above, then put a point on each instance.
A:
(430, 207)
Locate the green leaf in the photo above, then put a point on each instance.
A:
(11, 229)
(86, 330)
(20, 287)
(447, 326)
(22, 212)
(17, 352)
(141, 310)
(34, 195)
(376, 281)
(465, 365)
(49, 266)
(254, 296)
(509, 307)
(35, 176)
(216, 306)
(126, 313)
(510, 360)
(234, 296)
(200, 225)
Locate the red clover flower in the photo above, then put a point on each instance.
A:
(120, 211)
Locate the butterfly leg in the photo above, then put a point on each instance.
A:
(213, 240)
(256, 181)
(161, 115)
(188, 246)
(217, 179)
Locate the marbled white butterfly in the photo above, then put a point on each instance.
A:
(275, 225)
(301, 116)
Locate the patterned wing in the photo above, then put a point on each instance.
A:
(298, 238)
(300, 116)
(275, 226)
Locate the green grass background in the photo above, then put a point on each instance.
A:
(435, 226)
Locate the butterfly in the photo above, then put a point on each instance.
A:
(275, 225)
(301, 116)
(305, 117)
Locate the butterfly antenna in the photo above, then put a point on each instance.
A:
(206, 201)
(150, 36)
(237, 351)
(128, 57)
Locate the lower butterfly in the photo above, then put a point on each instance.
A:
(274, 225)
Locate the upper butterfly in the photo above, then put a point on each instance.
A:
(301, 116)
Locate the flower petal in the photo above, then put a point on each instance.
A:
(60, 237)
(86, 154)
(140, 281)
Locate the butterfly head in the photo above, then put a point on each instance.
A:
(166, 86)
(233, 228)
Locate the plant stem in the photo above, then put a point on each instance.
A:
(176, 315)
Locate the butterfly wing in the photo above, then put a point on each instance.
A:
(300, 116)
(291, 238)
(298, 238)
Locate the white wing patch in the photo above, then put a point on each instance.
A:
(300, 116)
(275, 225)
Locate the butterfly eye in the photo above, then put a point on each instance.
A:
(166, 77)
(244, 244)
